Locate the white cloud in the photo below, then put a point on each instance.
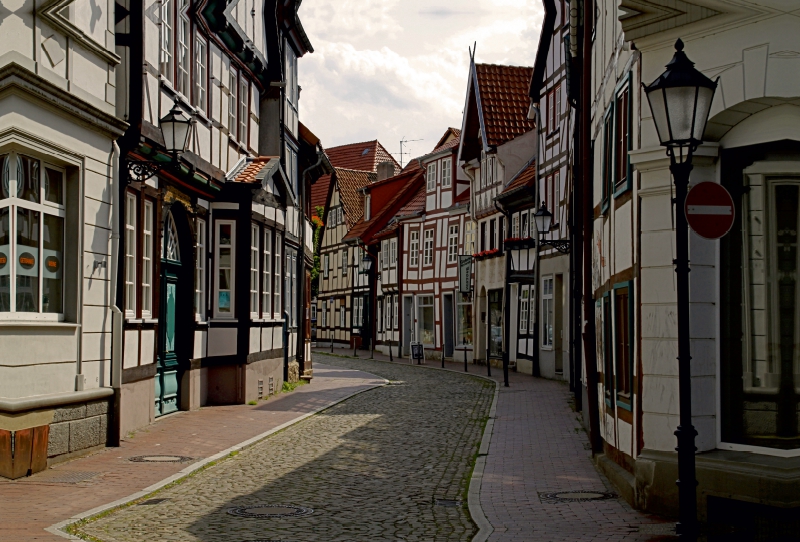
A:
(387, 69)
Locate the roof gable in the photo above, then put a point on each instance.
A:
(364, 156)
(349, 182)
(504, 101)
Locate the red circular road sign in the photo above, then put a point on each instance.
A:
(709, 210)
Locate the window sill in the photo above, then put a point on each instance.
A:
(551, 134)
(241, 147)
(219, 320)
(624, 187)
(38, 323)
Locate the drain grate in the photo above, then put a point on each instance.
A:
(266, 511)
(151, 502)
(53, 476)
(555, 497)
(160, 459)
(448, 503)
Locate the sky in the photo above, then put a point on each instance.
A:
(392, 69)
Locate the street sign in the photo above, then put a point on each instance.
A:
(464, 274)
(709, 210)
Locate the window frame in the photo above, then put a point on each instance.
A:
(147, 267)
(421, 306)
(447, 172)
(233, 102)
(183, 47)
(266, 274)
(200, 74)
(393, 252)
(452, 243)
(130, 243)
(427, 247)
(232, 286)
(524, 306)
(413, 244)
(430, 177)
(547, 301)
(277, 285)
(255, 270)
(620, 187)
(624, 398)
(200, 271)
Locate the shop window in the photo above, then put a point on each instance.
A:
(547, 312)
(464, 319)
(225, 261)
(426, 320)
(495, 323)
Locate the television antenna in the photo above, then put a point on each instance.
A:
(403, 141)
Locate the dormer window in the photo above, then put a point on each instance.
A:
(431, 177)
(367, 214)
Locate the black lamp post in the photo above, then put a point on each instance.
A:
(366, 267)
(544, 223)
(680, 100)
(175, 129)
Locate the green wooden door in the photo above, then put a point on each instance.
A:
(166, 392)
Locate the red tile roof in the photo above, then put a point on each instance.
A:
(355, 156)
(504, 99)
(409, 184)
(251, 167)
(349, 182)
(455, 132)
(412, 165)
(525, 178)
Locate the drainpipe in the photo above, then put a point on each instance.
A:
(532, 223)
(116, 313)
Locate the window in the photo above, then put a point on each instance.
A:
(200, 271)
(452, 244)
(244, 110)
(358, 312)
(469, 237)
(224, 259)
(515, 226)
(291, 167)
(130, 253)
(233, 86)
(621, 144)
(277, 300)
(184, 37)
(200, 74)
(344, 261)
(266, 275)
(464, 319)
(523, 232)
(387, 313)
(551, 111)
(431, 179)
(492, 234)
(324, 314)
(342, 316)
(608, 364)
(314, 313)
(169, 241)
(447, 173)
(292, 91)
(426, 320)
(557, 96)
(290, 286)
(427, 251)
(326, 261)
(254, 274)
(483, 236)
(147, 260)
(547, 312)
(495, 323)
(523, 310)
(166, 68)
(384, 254)
(608, 157)
(413, 257)
(367, 215)
(622, 341)
(395, 303)
(392, 252)
(556, 195)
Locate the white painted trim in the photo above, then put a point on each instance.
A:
(224, 205)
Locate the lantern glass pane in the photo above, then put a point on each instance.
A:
(168, 129)
(704, 98)
(181, 133)
(680, 103)
(543, 221)
(659, 109)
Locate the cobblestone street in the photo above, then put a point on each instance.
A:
(370, 468)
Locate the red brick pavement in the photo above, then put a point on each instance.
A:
(537, 446)
(30, 505)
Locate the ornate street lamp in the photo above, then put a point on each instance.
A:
(366, 264)
(680, 100)
(544, 223)
(175, 130)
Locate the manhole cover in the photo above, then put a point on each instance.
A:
(150, 502)
(574, 496)
(448, 502)
(270, 511)
(160, 459)
(61, 476)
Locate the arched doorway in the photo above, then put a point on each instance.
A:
(176, 288)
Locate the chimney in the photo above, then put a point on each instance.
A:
(385, 170)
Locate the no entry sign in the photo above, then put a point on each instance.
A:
(709, 210)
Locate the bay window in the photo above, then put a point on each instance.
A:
(32, 214)
(266, 275)
(225, 263)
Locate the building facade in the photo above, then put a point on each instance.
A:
(59, 170)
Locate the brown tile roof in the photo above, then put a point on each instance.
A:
(361, 156)
(525, 178)
(452, 144)
(409, 182)
(412, 165)
(250, 168)
(349, 182)
(455, 132)
(503, 92)
(319, 193)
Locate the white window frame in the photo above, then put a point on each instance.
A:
(244, 110)
(392, 252)
(255, 274)
(200, 271)
(324, 322)
(524, 302)
(166, 60)
(367, 207)
(326, 261)
(266, 274)
(515, 225)
(447, 172)
(395, 304)
(147, 259)
(427, 248)
(200, 75)
(387, 313)
(183, 42)
(452, 243)
(469, 237)
(431, 177)
(342, 316)
(547, 305)
(217, 313)
(276, 302)
(130, 255)
(345, 261)
(385, 254)
(413, 260)
(233, 103)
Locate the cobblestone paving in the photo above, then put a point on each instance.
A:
(371, 468)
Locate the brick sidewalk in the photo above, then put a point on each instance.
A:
(32, 504)
(537, 446)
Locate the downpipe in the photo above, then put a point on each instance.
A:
(116, 313)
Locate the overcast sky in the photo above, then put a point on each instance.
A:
(387, 69)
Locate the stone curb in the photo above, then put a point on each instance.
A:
(58, 528)
(485, 528)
